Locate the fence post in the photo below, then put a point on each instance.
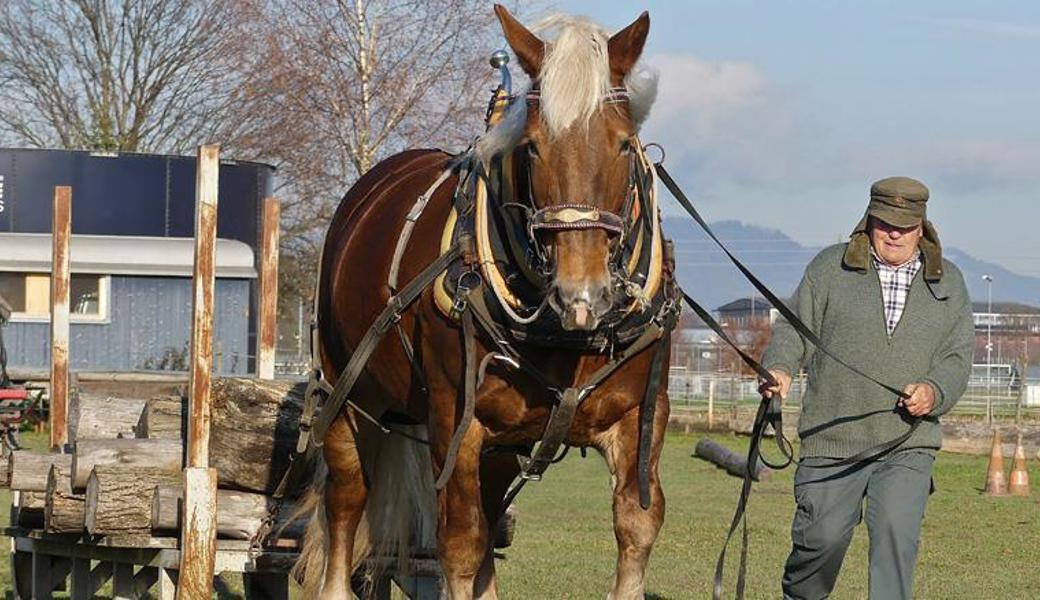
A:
(711, 403)
(199, 532)
(267, 328)
(61, 229)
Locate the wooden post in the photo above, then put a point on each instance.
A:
(711, 404)
(267, 328)
(199, 536)
(59, 393)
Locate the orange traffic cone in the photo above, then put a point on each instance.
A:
(996, 483)
(1019, 481)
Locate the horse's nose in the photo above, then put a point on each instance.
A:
(582, 306)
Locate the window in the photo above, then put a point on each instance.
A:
(29, 295)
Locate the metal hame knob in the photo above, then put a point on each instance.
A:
(499, 58)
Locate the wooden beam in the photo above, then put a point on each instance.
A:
(267, 328)
(199, 545)
(61, 229)
(199, 537)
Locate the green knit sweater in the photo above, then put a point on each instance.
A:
(844, 413)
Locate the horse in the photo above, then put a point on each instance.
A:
(563, 163)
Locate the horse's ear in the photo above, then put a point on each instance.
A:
(626, 45)
(528, 48)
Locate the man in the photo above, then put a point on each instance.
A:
(889, 304)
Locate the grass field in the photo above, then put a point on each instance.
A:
(972, 546)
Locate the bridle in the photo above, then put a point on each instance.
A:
(574, 216)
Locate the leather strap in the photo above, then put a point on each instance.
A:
(647, 414)
(469, 399)
(359, 358)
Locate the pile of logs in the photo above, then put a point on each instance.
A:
(124, 475)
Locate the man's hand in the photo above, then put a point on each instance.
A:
(921, 400)
(782, 387)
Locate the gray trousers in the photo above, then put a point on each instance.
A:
(830, 505)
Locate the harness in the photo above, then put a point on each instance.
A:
(478, 281)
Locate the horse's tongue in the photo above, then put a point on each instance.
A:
(581, 314)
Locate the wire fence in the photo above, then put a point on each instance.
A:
(997, 398)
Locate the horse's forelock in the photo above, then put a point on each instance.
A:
(575, 76)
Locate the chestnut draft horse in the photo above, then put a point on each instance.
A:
(562, 292)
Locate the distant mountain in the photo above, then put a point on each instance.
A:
(707, 275)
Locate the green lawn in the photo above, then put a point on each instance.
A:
(973, 546)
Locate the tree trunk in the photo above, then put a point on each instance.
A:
(254, 431)
(29, 469)
(103, 417)
(119, 498)
(166, 455)
(163, 417)
(28, 512)
(64, 510)
(239, 514)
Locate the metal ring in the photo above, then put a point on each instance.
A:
(461, 282)
(659, 147)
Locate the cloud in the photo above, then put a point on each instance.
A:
(724, 120)
(968, 165)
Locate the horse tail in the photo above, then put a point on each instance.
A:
(309, 570)
(400, 513)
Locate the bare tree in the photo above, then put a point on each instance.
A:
(131, 75)
(346, 83)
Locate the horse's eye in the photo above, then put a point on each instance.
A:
(532, 149)
(626, 146)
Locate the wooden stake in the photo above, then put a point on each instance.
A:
(199, 538)
(59, 392)
(267, 328)
(199, 545)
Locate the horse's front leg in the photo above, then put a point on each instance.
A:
(462, 534)
(635, 528)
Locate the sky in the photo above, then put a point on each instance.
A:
(781, 113)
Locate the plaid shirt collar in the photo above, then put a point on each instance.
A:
(895, 286)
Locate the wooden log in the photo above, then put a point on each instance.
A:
(93, 416)
(27, 511)
(254, 431)
(239, 514)
(119, 498)
(29, 469)
(733, 463)
(162, 454)
(163, 417)
(64, 510)
(267, 325)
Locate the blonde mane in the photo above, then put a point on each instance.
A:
(575, 76)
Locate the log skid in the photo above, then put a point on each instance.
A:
(64, 510)
(253, 431)
(103, 417)
(29, 469)
(28, 509)
(119, 498)
(239, 514)
(163, 417)
(163, 454)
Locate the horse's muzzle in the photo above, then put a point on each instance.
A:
(581, 309)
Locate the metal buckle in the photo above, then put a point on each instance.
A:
(467, 281)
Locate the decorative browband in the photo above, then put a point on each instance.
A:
(565, 217)
(616, 95)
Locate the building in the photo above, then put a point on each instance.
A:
(131, 258)
(743, 313)
(1012, 328)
